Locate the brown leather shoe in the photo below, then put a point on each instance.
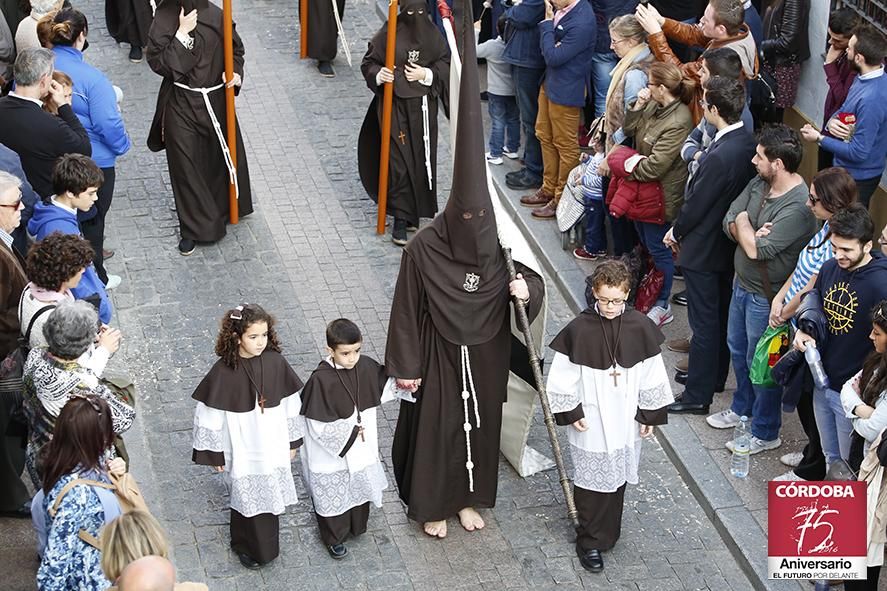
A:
(679, 345)
(682, 364)
(536, 199)
(546, 213)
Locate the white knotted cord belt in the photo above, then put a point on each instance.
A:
(468, 384)
(229, 162)
(426, 139)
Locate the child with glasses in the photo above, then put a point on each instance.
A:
(609, 382)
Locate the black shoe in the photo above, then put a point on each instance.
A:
(337, 551)
(247, 561)
(681, 378)
(484, 96)
(186, 247)
(678, 272)
(515, 174)
(680, 298)
(399, 232)
(525, 181)
(591, 560)
(23, 512)
(688, 408)
(135, 54)
(326, 69)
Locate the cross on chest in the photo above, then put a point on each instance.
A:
(615, 373)
(402, 137)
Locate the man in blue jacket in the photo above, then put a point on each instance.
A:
(11, 163)
(860, 146)
(567, 38)
(527, 68)
(76, 180)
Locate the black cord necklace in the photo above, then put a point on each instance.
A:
(260, 387)
(612, 352)
(355, 398)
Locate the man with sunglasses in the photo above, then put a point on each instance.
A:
(849, 286)
(14, 498)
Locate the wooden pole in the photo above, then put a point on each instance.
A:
(303, 29)
(228, 28)
(523, 323)
(387, 99)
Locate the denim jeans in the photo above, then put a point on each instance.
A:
(527, 82)
(834, 428)
(651, 236)
(505, 123)
(595, 233)
(748, 318)
(601, 66)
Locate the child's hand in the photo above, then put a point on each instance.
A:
(581, 425)
(646, 431)
(219, 468)
(292, 454)
(117, 467)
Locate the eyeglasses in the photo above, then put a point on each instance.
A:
(880, 313)
(615, 42)
(14, 205)
(607, 302)
(813, 199)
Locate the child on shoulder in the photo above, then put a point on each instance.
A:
(340, 462)
(246, 424)
(504, 116)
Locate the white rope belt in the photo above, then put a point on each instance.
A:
(426, 138)
(229, 162)
(468, 384)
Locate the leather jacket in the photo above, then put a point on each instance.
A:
(785, 32)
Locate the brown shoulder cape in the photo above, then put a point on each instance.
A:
(230, 390)
(324, 398)
(583, 342)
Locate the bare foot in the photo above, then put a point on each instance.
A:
(471, 519)
(436, 529)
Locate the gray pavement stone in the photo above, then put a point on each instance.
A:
(310, 254)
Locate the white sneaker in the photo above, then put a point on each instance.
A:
(113, 281)
(789, 476)
(792, 459)
(726, 419)
(494, 159)
(660, 316)
(757, 445)
(512, 155)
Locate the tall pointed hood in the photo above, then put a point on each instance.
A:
(458, 253)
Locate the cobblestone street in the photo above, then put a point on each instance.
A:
(310, 254)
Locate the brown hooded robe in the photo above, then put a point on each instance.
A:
(182, 124)
(452, 292)
(323, 34)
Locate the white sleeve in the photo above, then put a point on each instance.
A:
(95, 359)
(850, 397)
(292, 407)
(429, 77)
(654, 391)
(564, 383)
(210, 427)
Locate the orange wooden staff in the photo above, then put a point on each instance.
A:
(387, 99)
(228, 30)
(303, 25)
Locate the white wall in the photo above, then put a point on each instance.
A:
(812, 90)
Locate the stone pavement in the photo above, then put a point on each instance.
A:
(309, 254)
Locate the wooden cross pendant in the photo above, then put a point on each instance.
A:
(615, 375)
(360, 432)
(262, 403)
(402, 137)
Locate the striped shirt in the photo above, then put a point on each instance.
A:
(592, 182)
(813, 256)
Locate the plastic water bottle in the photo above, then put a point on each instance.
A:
(741, 446)
(815, 362)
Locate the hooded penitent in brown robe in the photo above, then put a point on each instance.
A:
(323, 34)
(451, 301)
(128, 21)
(182, 124)
(419, 42)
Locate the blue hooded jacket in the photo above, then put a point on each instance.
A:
(52, 218)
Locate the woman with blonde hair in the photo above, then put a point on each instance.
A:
(660, 120)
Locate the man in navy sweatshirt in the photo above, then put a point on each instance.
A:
(849, 285)
(859, 127)
(567, 38)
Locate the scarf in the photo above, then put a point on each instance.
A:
(614, 111)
